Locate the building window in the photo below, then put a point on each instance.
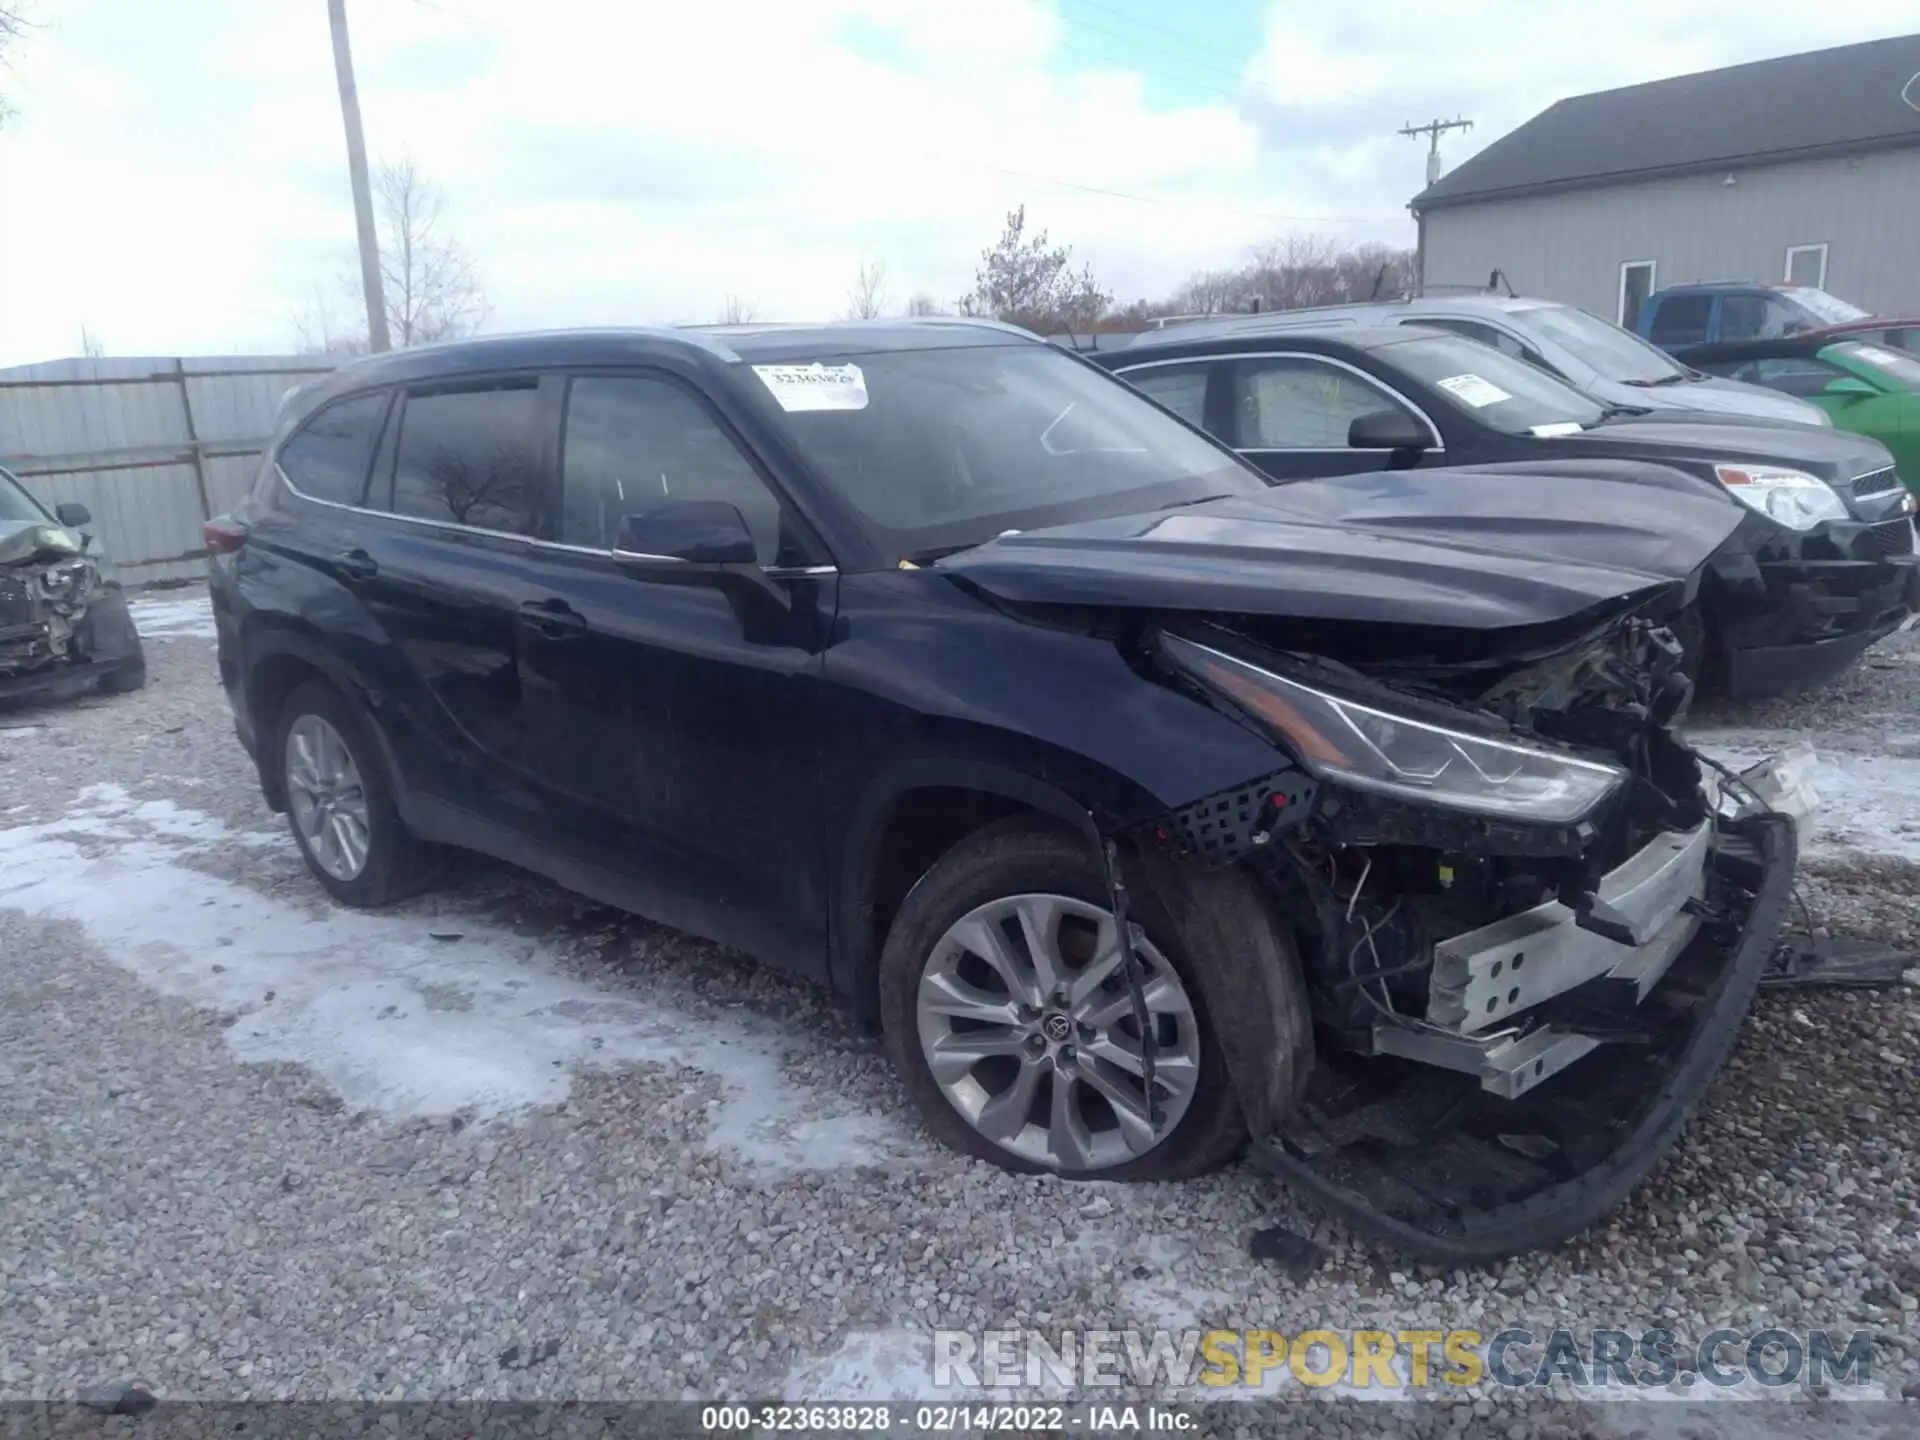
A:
(1807, 265)
(1636, 284)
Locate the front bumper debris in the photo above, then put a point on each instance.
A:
(99, 645)
(1485, 979)
(1788, 624)
(1447, 1168)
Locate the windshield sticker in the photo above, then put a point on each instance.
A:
(1472, 390)
(1557, 427)
(815, 386)
(1876, 355)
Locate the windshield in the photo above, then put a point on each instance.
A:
(1493, 388)
(1616, 354)
(17, 505)
(945, 448)
(1827, 309)
(1902, 370)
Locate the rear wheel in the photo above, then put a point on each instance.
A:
(339, 804)
(1008, 1016)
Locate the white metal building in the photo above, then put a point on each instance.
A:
(1804, 169)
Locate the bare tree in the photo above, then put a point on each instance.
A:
(91, 345)
(867, 300)
(13, 26)
(320, 331)
(1027, 281)
(429, 283)
(738, 311)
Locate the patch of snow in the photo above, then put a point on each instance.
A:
(873, 1367)
(1867, 802)
(159, 617)
(390, 1019)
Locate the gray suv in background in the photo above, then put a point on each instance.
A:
(1607, 364)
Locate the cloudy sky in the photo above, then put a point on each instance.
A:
(174, 177)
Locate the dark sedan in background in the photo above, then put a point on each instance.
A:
(1821, 566)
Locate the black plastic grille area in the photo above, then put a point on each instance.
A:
(1225, 827)
(1874, 482)
(16, 606)
(1893, 537)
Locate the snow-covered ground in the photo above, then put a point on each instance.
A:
(173, 615)
(400, 1016)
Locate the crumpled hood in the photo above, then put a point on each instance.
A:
(1480, 548)
(22, 541)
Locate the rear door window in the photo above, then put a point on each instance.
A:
(471, 456)
(1181, 388)
(1743, 317)
(330, 457)
(1682, 320)
(1473, 330)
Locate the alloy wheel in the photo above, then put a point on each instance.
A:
(326, 797)
(1028, 1027)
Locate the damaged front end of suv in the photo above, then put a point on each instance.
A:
(1527, 917)
(1528, 924)
(64, 628)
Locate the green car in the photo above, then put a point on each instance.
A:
(1868, 389)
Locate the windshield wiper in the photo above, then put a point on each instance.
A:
(1621, 412)
(1677, 378)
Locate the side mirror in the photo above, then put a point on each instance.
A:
(1387, 430)
(72, 514)
(1850, 387)
(696, 532)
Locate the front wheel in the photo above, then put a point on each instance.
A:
(1008, 1016)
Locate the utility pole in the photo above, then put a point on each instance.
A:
(1433, 130)
(362, 191)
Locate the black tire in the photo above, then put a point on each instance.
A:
(398, 863)
(1014, 857)
(126, 679)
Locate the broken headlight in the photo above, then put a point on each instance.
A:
(1344, 741)
(1793, 497)
(65, 585)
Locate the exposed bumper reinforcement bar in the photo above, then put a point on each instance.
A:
(1443, 1171)
(1485, 980)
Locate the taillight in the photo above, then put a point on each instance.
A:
(223, 537)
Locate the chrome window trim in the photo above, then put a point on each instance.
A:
(1439, 446)
(778, 572)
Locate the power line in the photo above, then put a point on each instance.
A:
(1183, 54)
(1167, 201)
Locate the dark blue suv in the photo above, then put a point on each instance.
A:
(1147, 809)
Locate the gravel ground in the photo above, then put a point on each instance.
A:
(256, 1148)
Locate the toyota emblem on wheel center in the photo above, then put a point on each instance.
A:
(1057, 1026)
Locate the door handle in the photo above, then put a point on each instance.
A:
(356, 565)
(553, 617)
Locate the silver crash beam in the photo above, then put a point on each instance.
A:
(1486, 980)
